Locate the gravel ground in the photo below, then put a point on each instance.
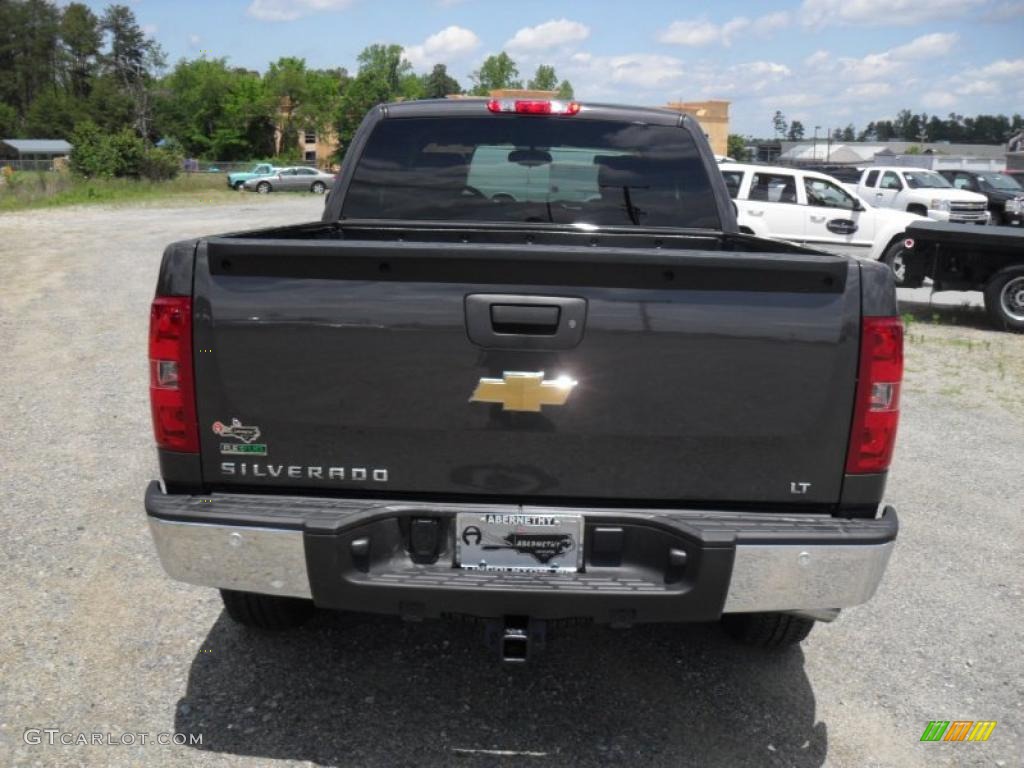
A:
(96, 639)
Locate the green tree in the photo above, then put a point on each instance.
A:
(736, 147)
(385, 62)
(565, 90)
(796, 131)
(383, 73)
(411, 87)
(28, 51)
(439, 83)
(544, 79)
(81, 39)
(497, 72)
(779, 124)
(54, 115)
(8, 120)
(132, 59)
(199, 107)
(849, 133)
(302, 99)
(367, 90)
(108, 105)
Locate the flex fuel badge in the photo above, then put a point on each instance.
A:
(246, 437)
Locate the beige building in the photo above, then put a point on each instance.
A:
(713, 117)
(315, 147)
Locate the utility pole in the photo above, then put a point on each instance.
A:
(814, 150)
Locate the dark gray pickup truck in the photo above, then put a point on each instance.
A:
(525, 370)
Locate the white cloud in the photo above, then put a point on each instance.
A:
(551, 34)
(874, 66)
(770, 22)
(764, 68)
(867, 91)
(978, 88)
(194, 40)
(289, 10)
(1012, 10)
(693, 32)
(1002, 68)
(150, 29)
(645, 71)
(889, 64)
(697, 32)
(925, 47)
(938, 100)
(824, 13)
(817, 59)
(450, 43)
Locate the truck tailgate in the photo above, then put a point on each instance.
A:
(700, 376)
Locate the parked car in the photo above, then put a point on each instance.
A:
(296, 178)
(923, 192)
(817, 210)
(440, 401)
(237, 180)
(1004, 193)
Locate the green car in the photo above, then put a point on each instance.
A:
(236, 180)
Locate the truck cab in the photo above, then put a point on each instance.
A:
(924, 192)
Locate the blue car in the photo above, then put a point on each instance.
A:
(236, 180)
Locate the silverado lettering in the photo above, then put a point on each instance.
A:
(299, 472)
(722, 456)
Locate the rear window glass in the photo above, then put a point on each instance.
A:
(529, 169)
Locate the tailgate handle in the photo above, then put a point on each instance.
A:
(524, 319)
(506, 321)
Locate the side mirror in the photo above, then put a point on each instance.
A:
(858, 206)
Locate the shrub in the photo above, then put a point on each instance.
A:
(160, 164)
(95, 154)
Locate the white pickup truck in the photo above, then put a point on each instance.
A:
(814, 209)
(923, 192)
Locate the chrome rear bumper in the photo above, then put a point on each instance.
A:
(808, 564)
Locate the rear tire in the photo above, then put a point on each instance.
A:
(271, 612)
(318, 188)
(263, 188)
(1004, 298)
(767, 630)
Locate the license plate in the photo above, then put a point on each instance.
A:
(503, 542)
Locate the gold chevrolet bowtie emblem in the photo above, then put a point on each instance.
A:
(523, 391)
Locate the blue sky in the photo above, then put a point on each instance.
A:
(824, 62)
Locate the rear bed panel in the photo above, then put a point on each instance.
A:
(685, 394)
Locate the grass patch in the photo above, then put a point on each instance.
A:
(25, 190)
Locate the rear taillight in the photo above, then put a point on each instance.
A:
(171, 386)
(534, 106)
(876, 411)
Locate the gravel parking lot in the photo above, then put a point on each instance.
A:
(95, 639)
